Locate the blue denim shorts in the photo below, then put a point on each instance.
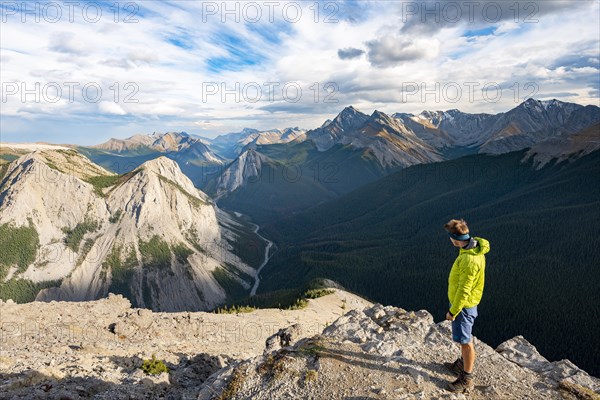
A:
(463, 325)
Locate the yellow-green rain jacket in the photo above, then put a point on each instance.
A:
(465, 283)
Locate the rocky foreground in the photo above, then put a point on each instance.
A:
(339, 347)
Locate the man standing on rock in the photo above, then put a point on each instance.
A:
(465, 287)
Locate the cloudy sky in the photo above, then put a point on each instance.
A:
(84, 72)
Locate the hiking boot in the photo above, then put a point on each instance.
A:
(456, 367)
(462, 384)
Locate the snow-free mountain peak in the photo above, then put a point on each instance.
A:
(381, 118)
(163, 166)
(246, 166)
(349, 118)
(148, 234)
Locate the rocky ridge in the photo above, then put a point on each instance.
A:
(340, 347)
(391, 143)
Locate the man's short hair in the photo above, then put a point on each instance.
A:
(457, 226)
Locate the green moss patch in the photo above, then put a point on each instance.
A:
(19, 246)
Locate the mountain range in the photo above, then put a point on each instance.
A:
(529, 123)
(163, 218)
(275, 166)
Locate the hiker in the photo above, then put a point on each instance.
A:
(465, 287)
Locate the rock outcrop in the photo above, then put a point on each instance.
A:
(247, 168)
(388, 353)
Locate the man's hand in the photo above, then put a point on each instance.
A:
(449, 317)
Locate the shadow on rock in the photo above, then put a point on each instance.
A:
(121, 378)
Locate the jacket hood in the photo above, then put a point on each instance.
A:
(483, 247)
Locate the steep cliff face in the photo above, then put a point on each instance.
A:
(149, 234)
(245, 168)
(47, 189)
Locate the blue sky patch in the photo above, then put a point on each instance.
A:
(240, 54)
(489, 30)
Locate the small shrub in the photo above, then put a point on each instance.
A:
(233, 386)
(19, 246)
(121, 271)
(192, 236)
(310, 375)
(316, 293)
(182, 252)
(85, 249)
(102, 181)
(154, 366)
(298, 304)
(273, 366)
(3, 170)
(155, 253)
(235, 309)
(24, 290)
(343, 306)
(53, 166)
(115, 217)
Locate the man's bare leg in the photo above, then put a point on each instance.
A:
(468, 355)
(464, 382)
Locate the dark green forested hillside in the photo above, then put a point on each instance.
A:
(386, 241)
(300, 177)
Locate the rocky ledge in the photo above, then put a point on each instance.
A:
(389, 353)
(339, 347)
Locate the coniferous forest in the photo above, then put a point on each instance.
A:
(386, 242)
